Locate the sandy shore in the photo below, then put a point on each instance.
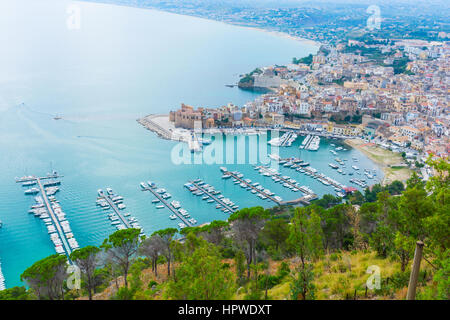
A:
(387, 160)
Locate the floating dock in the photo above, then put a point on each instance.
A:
(114, 207)
(57, 225)
(217, 200)
(168, 205)
(304, 200)
(59, 229)
(314, 174)
(2, 279)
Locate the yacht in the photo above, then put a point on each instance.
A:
(143, 186)
(173, 217)
(160, 206)
(32, 191)
(175, 204)
(333, 165)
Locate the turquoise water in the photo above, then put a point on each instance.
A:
(121, 64)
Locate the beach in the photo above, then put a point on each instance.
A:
(390, 162)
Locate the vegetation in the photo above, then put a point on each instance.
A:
(305, 60)
(321, 251)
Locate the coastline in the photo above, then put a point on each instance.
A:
(236, 24)
(391, 163)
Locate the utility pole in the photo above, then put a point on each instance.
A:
(411, 295)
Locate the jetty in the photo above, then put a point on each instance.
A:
(216, 199)
(108, 198)
(168, 205)
(2, 279)
(304, 200)
(67, 248)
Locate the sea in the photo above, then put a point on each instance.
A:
(99, 68)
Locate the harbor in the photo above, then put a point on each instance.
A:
(179, 212)
(199, 188)
(296, 164)
(109, 200)
(285, 140)
(2, 279)
(265, 193)
(48, 209)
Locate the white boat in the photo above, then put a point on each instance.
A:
(143, 186)
(159, 206)
(173, 217)
(175, 204)
(32, 191)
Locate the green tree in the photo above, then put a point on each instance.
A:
(121, 248)
(166, 236)
(46, 277)
(306, 238)
(275, 234)
(15, 293)
(246, 225)
(306, 235)
(201, 276)
(239, 260)
(87, 260)
(302, 286)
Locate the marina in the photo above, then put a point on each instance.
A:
(48, 209)
(313, 173)
(2, 279)
(267, 194)
(180, 213)
(224, 204)
(285, 140)
(311, 143)
(109, 200)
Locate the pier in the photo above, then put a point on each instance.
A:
(254, 188)
(277, 175)
(2, 279)
(303, 200)
(59, 229)
(114, 207)
(219, 201)
(314, 174)
(34, 178)
(168, 205)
